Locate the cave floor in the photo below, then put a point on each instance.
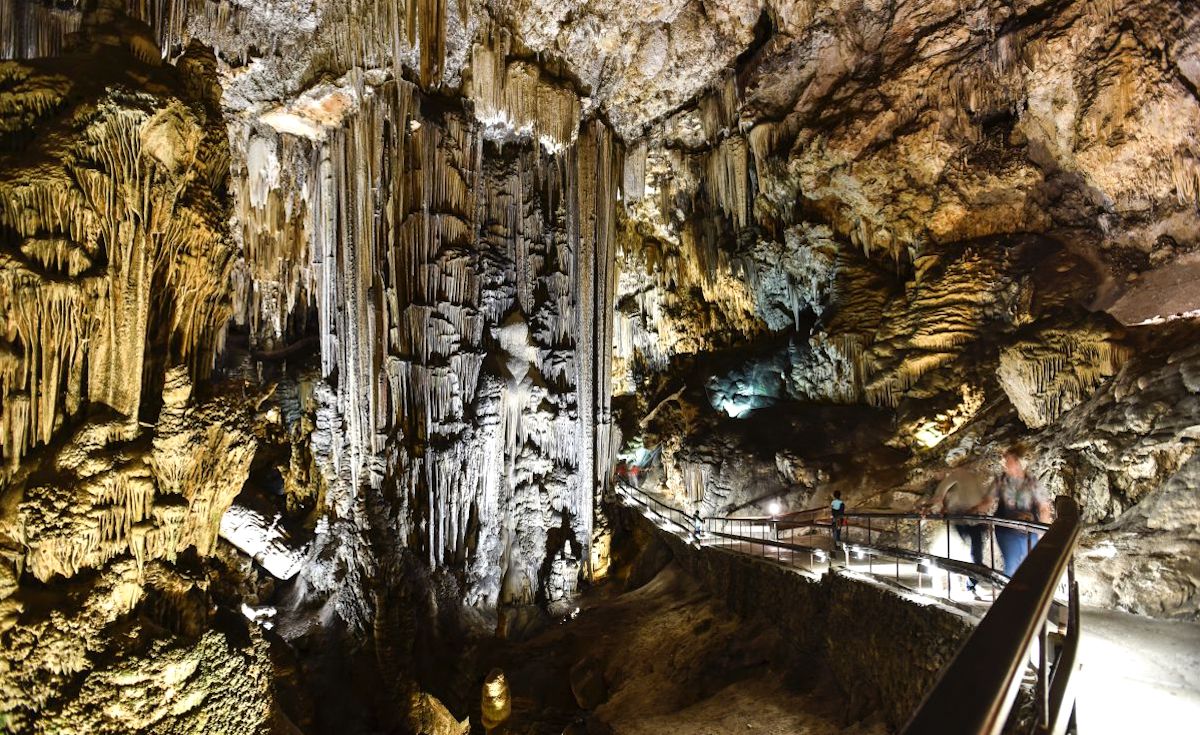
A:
(1138, 674)
(672, 659)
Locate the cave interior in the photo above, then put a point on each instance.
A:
(333, 333)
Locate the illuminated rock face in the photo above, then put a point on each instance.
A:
(386, 265)
(117, 471)
(931, 219)
(450, 266)
(460, 292)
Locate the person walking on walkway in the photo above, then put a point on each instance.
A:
(838, 509)
(965, 491)
(1020, 498)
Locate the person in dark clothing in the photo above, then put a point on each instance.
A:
(965, 491)
(838, 508)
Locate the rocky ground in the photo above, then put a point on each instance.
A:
(665, 656)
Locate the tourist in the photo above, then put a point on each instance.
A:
(965, 491)
(1020, 497)
(838, 508)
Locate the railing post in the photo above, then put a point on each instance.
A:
(949, 575)
(870, 561)
(972, 697)
(896, 530)
(1043, 680)
(920, 526)
(992, 543)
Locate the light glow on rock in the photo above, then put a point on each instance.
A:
(735, 409)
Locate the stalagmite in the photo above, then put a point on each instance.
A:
(496, 701)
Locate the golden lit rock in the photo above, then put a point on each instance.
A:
(496, 702)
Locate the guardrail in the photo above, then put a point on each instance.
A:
(976, 692)
(871, 535)
(667, 516)
(867, 535)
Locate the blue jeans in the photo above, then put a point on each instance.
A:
(1014, 546)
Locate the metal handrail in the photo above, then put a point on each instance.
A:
(784, 520)
(961, 517)
(768, 528)
(764, 533)
(975, 692)
(788, 517)
(657, 507)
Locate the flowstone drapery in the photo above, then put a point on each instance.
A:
(117, 471)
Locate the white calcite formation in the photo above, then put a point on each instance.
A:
(455, 250)
(262, 539)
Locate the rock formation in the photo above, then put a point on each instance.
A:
(322, 324)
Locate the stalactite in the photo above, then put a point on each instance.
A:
(634, 180)
(166, 19)
(719, 108)
(388, 35)
(30, 29)
(930, 327)
(517, 96)
(1049, 375)
(729, 180)
(94, 237)
(1185, 173)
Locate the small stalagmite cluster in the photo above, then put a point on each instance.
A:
(323, 324)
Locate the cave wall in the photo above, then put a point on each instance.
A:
(963, 217)
(405, 297)
(116, 468)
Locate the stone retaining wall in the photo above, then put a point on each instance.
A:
(883, 648)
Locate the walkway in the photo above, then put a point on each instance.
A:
(815, 556)
(1137, 674)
